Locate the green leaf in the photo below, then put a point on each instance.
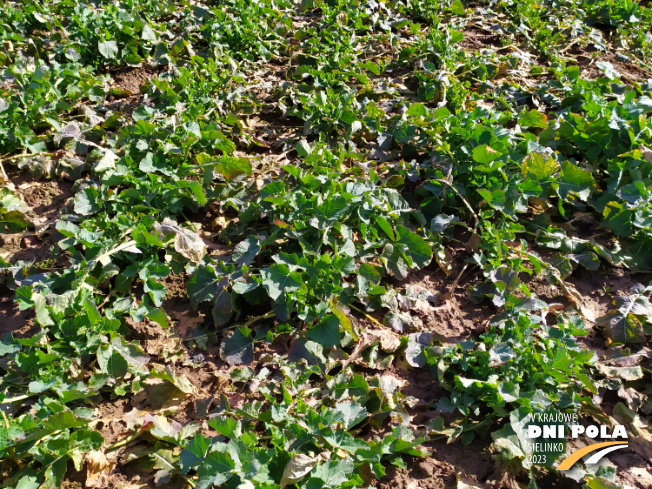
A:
(500, 354)
(223, 307)
(395, 262)
(194, 453)
(86, 201)
(370, 272)
(27, 482)
(574, 180)
(202, 286)
(457, 7)
(12, 202)
(106, 162)
(42, 313)
(116, 357)
(395, 181)
(340, 439)
(112, 363)
(156, 291)
(618, 219)
(608, 69)
(417, 109)
(385, 226)
(512, 440)
(278, 280)
(227, 166)
(73, 55)
(332, 474)
(485, 154)
(352, 413)
(416, 346)
(92, 313)
(38, 386)
(226, 426)
(245, 251)
(415, 247)
(198, 192)
(334, 207)
(326, 332)
(133, 59)
(14, 222)
(238, 348)
(371, 66)
(509, 391)
(588, 260)
(215, 471)
(149, 163)
(108, 49)
(303, 148)
(148, 33)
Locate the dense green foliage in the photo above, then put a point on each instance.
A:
(403, 145)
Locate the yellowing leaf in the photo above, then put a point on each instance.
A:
(539, 166)
(345, 322)
(533, 118)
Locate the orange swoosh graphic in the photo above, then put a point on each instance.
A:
(574, 457)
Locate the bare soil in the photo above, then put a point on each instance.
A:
(45, 199)
(129, 84)
(12, 320)
(429, 473)
(477, 38)
(131, 80)
(587, 60)
(455, 317)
